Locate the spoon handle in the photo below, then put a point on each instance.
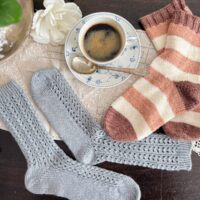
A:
(125, 70)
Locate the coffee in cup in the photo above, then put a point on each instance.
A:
(102, 42)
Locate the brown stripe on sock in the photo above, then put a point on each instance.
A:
(182, 131)
(167, 87)
(190, 94)
(181, 61)
(163, 14)
(156, 18)
(197, 110)
(118, 127)
(145, 107)
(187, 20)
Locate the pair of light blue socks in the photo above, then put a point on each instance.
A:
(50, 171)
(86, 139)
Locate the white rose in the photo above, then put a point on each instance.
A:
(53, 24)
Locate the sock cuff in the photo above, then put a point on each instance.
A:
(163, 14)
(185, 152)
(7, 90)
(188, 20)
(157, 151)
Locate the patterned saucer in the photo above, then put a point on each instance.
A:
(104, 78)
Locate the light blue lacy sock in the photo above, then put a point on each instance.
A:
(88, 141)
(50, 171)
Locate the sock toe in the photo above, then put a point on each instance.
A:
(118, 127)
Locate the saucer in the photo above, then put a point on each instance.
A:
(104, 78)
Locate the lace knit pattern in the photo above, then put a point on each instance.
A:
(157, 151)
(36, 144)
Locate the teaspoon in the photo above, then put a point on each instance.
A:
(83, 66)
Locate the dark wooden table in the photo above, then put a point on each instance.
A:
(155, 184)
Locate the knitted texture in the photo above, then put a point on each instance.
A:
(171, 87)
(50, 171)
(156, 25)
(71, 121)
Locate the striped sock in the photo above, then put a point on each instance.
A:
(169, 90)
(187, 125)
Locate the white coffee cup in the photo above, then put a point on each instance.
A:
(108, 21)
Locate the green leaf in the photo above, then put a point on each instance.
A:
(10, 12)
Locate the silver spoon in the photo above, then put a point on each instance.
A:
(82, 66)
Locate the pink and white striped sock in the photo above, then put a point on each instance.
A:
(187, 125)
(169, 90)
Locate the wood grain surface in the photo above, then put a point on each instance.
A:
(154, 184)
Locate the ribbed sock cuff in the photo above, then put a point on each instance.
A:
(7, 90)
(164, 13)
(185, 152)
(188, 20)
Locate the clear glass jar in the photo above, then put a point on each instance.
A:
(15, 34)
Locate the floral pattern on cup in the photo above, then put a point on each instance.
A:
(105, 78)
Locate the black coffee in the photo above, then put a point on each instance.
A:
(102, 42)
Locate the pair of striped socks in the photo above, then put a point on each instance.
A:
(169, 96)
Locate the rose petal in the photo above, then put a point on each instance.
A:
(46, 3)
(56, 36)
